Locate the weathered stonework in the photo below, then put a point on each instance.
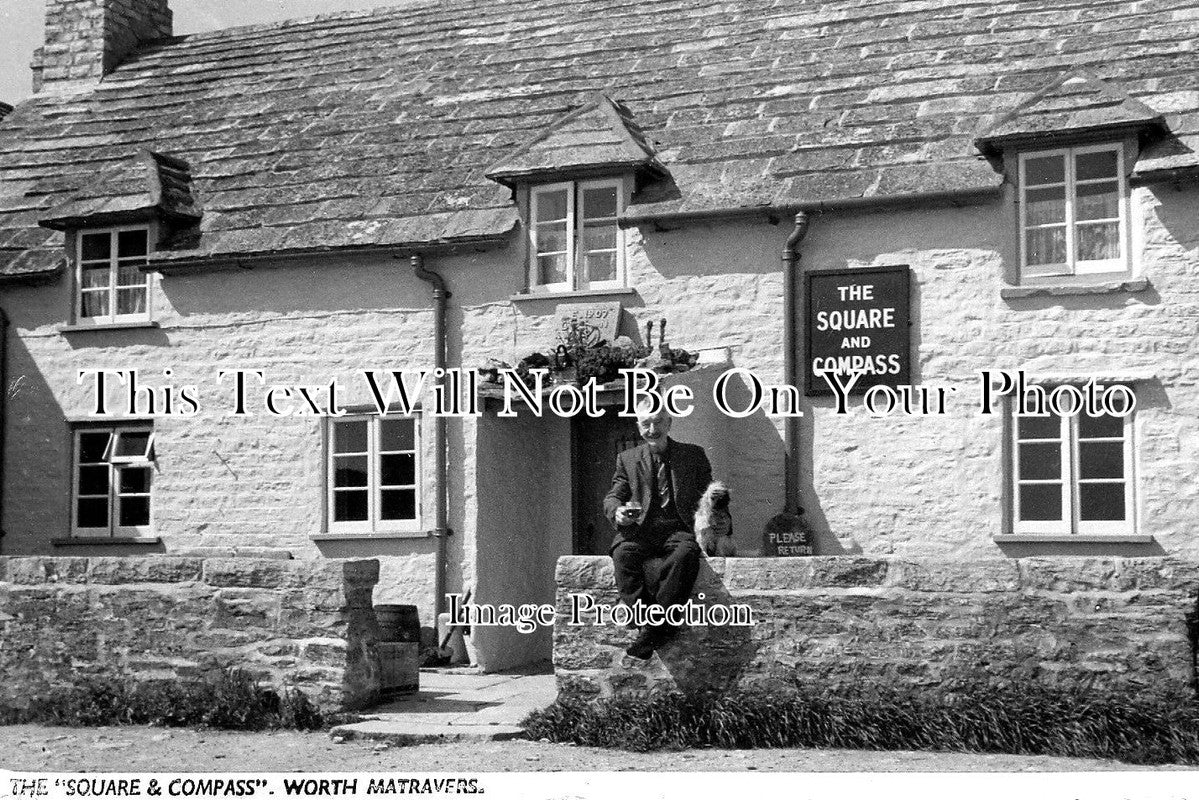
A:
(854, 621)
(303, 624)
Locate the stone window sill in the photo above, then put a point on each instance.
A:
(531, 296)
(91, 541)
(1068, 290)
(362, 537)
(1067, 538)
(106, 326)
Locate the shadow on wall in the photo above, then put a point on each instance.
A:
(709, 658)
(36, 467)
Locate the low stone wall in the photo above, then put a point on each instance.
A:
(303, 624)
(862, 621)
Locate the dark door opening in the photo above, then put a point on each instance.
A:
(595, 443)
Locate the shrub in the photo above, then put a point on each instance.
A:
(231, 700)
(1136, 727)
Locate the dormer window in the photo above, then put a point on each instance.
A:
(574, 242)
(1073, 211)
(110, 284)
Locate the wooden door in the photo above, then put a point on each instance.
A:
(596, 442)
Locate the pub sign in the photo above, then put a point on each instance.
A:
(857, 320)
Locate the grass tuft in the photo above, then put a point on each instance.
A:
(230, 701)
(1134, 727)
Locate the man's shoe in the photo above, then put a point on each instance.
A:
(644, 645)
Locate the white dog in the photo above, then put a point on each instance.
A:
(714, 523)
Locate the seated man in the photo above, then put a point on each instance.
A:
(652, 503)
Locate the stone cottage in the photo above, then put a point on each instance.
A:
(430, 185)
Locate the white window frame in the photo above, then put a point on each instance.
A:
(114, 264)
(1072, 266)
(1070, 523)
(372, 524)
(576, 223)
(115, 465)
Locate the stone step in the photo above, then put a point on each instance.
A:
(410, 732)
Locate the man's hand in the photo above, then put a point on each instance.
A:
(628, 514)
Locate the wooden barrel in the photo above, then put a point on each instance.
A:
(398, 623)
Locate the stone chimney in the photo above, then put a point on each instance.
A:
(87, 39)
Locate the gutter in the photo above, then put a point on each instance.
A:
(214, 263)
(792, 372)
(777, 211)
(440, 529)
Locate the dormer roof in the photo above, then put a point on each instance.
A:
(1074, 105)
(600, 137)
(149, 185)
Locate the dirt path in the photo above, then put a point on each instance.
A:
(138, 749)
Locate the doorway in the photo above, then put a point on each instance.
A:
(595, 443)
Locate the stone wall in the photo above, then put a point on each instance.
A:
(303, 624)
(863, 621)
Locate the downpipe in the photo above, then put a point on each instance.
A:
(792, 373)
(440, 529)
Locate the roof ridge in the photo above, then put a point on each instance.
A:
(391, 9)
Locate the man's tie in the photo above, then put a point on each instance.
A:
(664, 498)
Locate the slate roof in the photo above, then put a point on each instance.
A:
(378, 128)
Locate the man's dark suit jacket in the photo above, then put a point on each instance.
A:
(690, 474)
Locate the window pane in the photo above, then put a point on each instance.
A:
(131, 301)
(1101, 501)
(130, 276)
(1104, 427)
(93, 479)
(95, 246)
(135, 480)
(551, 205)
(399, 504)
(398, 470)
(600, 237)
(1099, 241)
(1039, 427)
(397, 434)
(349, 437)
(133, 444)
(95, 278)
(1046, 246)
(600, 267)
(1098, 201)
(349, 506)
(551, 269)
(1095, 165)
(1101, 459)
(349, 471)
(95, 304)
(1041, 501)
(1040, 461)
(92, 447)
(599, 202)
(134, 511)
(552, 239)
(1047, 169)
(131, 244)
(93, 512)
(1045, 206)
